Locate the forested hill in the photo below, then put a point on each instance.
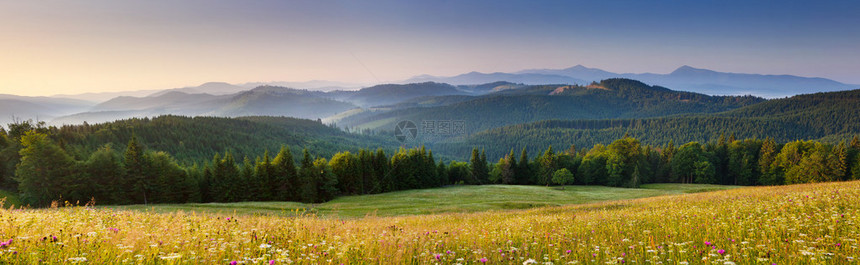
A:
(830, 117)
(197, 139)
(609, 99)
(818, 105)
(388, 94)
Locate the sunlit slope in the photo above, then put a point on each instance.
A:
(456, 199)
(800, 224)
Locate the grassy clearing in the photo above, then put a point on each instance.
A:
(798, 224)
(455, 199)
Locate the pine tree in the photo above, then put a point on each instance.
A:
(264, 178)
(403, 170)
(635, 178)
(767, 156)
(442, 172)
(168, 178)
(840, 162)
(523, 173)
(284, 177)
(326, 181)
(855, 170)
(226, 175)
(548, 166)
(206, 184)
(853, 154)
(248, 184)
(368, 177)
(308, 176)
(508, 167)
(196, 181)
(430, 163)
(475, 163)
(664, 173)
(135, 181)
(722, 161)
(381, 168)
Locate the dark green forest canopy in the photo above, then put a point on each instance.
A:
(195, 140)
(830, 117)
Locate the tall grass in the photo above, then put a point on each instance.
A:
(799, 224)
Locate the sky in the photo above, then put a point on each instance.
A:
(52, 47)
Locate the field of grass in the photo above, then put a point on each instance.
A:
(455, 199)
(798, 224)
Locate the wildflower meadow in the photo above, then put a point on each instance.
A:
(796, 224)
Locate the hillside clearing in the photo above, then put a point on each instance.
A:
(453, 199)
(797, 224)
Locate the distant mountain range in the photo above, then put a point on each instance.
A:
(474, 78)
(214, 88)
(391, 94)
(684, 78)
(609, 99)
(21, 108)
(532, 94)
(260, 101)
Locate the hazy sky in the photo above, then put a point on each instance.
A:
(51, 47)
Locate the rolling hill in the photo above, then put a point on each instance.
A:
(830, 117)
(212, 88)
(260, 101)
(473, 78)
(392, 93)
(14, 108)
(613, 98)
(197, 139)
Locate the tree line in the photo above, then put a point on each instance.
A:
(43, 171)
(728, 161)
